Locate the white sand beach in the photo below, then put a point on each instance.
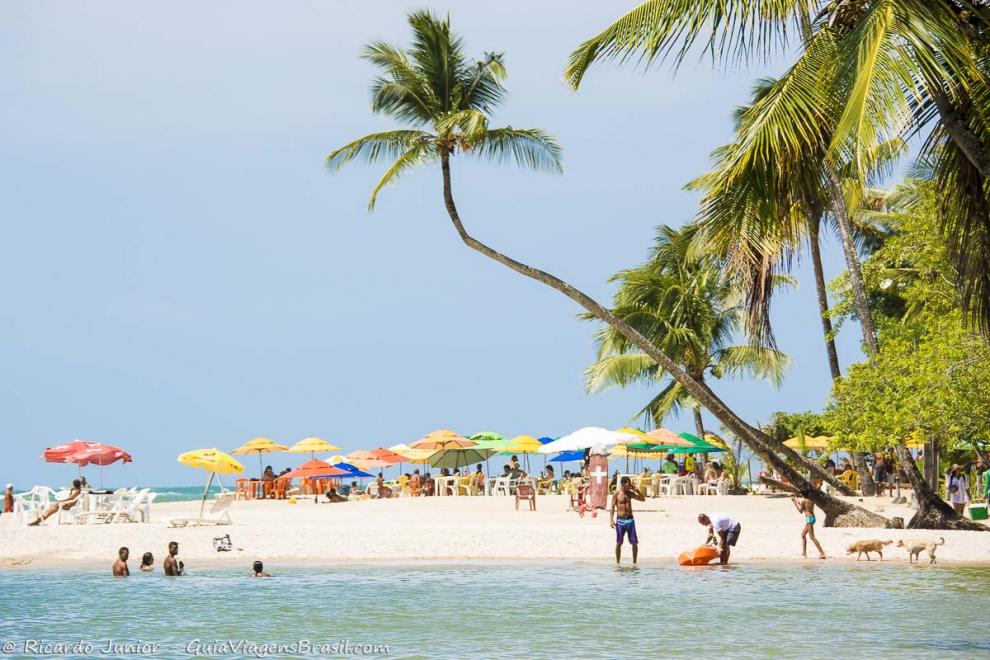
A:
(458, 529)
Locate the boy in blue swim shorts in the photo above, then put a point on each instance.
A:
(621, 517)
(807, 509)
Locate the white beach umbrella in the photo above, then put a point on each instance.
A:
(586, 438)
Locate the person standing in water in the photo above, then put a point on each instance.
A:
(621, 517)
(258, 570)
(120, 566)
(147, 562)
(807, 509)
(171, 565)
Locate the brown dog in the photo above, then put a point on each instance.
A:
(915, 546)
(866, 547)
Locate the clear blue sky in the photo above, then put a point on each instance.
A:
(178, 270)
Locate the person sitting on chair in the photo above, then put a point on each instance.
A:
(66, 504)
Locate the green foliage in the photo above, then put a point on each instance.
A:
(929, 380)
(784, 425)
(870, 73)
(931, 376)
(684, 304)
(447, 97)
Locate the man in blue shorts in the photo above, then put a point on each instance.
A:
(624, 524)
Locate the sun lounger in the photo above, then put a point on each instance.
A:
(216, 515)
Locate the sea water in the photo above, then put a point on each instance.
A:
(506, 610)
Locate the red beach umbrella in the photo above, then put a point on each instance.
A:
(86, 453)
(313, 469)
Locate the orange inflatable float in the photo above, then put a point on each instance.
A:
(700, 556)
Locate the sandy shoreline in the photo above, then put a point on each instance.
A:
(455, 530)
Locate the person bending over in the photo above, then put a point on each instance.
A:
(723, 529)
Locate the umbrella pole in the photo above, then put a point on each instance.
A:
(261, 472)
(101, 476)
(206, 490)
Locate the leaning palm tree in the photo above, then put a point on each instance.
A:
(685, 304)
(878, 69)
(446, 98)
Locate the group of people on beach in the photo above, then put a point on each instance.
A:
(723, 530)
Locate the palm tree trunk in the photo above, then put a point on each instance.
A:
(856, 283)
(699, 426)
(814, 227)
(933, 511)
(814, 469)
(837, 512)
(841, 213)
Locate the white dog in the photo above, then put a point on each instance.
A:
(915, 546)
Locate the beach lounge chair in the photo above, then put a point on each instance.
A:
(528, 493)
(216, 515)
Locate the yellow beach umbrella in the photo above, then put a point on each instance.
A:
(522, 444)
(637, 436)
(411, 455)
(312, 444)
(259, 446)
(817, 443)
(213, 461)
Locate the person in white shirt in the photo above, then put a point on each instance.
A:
(722, 528)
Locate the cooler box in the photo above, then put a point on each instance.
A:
(978, 511)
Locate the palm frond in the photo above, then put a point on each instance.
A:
(376, 146)
(759, 361)
(619, 371)
(419, 154)
(526, 147)
(658, 29)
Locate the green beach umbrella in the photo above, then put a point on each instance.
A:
(490, 440)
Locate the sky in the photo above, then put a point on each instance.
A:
(179, 270)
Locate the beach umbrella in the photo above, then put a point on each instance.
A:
(388, 455)
(635, 436)
(522, 444)
(86, 453)
(364, 459)
(411, 455)
(442, 440)
(816, 443)
(312, 444)
(585, 438)
(316, 468)
(259, 446)
(459, 457)
(668, 438)
(213, 461)
(352, 470)
(489, 440)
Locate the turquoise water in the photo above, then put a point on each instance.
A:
(519, 610)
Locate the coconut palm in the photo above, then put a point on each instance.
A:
(446, 98)
(876, 69)
(684, 303)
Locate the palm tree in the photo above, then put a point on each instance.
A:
(433, 85)
(684, 303)
(874, 69)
